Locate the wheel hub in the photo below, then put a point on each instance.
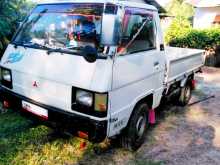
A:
(140, 126)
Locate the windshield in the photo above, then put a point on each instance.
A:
(63, 26)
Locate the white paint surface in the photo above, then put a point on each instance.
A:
(127, 79)
(205, 16)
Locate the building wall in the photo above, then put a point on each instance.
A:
(204, 17)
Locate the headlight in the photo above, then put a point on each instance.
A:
(89, 102)
(6, 75)
(84, 98)
(6, 78)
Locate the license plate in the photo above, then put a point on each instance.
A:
(36, 110)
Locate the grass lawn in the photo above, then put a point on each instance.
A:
(22, 142)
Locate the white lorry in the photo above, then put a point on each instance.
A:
(98, 67)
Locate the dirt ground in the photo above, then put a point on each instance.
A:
(192, 135)
(183, 136)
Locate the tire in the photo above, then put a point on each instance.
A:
(134, 134)
(185, 95)
(36, 121)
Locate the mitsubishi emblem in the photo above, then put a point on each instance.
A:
(35, 84)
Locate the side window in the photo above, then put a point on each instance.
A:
(138, 31)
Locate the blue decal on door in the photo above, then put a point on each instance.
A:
(14, 57)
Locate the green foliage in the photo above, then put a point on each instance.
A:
(181, 34)
(22, 142)
(11, 12)
(178, 29)
(207, 39)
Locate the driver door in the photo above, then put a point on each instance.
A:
(137, 71)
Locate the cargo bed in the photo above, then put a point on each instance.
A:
(181, 62)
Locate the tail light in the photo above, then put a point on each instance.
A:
(6, 104)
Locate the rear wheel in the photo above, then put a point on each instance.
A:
(185, 95)
(133, 136)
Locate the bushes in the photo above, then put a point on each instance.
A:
(178, 29)
(181, 34)
(192, 38)
(11, 12)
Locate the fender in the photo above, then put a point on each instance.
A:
(144, 98)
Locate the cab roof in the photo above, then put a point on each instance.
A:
(120, 2)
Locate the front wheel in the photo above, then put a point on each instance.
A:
(133, 136)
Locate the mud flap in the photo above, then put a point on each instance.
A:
(151, 116)
(193, 84)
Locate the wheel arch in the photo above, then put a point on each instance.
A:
(187, 80)
(147, 99)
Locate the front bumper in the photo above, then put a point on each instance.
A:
(96, 130)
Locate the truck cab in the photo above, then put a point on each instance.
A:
(96, 66)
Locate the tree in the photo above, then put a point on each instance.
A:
(11, 13)
(182, 22)
(179, 8)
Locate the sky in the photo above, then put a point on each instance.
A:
(163, 2)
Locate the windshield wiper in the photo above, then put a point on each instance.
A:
(35, 45)
(75, 48)
(50, 50)
(29, 44)
(16, 44)
(64, 50)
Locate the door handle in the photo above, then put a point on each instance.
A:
(162, 47)
(156, 63)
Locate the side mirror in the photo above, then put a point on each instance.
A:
(111, 29)
(90, 53)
